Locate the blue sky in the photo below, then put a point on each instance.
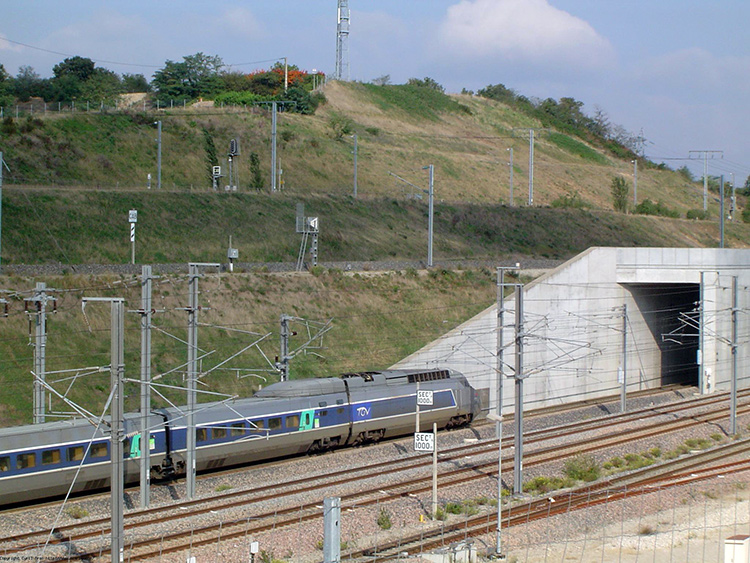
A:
(677, 69)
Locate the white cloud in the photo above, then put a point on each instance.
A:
(8, 46)
(523, 32)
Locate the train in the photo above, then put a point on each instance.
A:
(307, 416)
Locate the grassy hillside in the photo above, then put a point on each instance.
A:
(77, 226)
(74, 177)
(377, 319)
(400, 129)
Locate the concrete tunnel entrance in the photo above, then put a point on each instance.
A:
(671, 311)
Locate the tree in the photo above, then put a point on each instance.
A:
(211, 158)
(256, 177)
(426, 82)
(6, 97)
(26, 84)
(197, 75)
(498, 92)
(685, 172)
(135, 83)
(620, 191)
(81, 68)
(102, 86)
(382, 80)
(306, 103)
(63, 89)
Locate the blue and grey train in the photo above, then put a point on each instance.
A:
(286, 418)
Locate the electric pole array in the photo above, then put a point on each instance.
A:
(273, 146)
(519, 377)
(314, 331)
(284, 348)
(510, 164)
(531, 132)
(2, 163)
(705, 154)
(431, 212)
(342, 42)
(623, 389)
(192, 370)
(158, 154)
(117, 412)
(355, 165)
(36, 308)
(145, 438)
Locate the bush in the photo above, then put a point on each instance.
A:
(620, 194)
(746, 215)
(543, 485)
(341, 125)
(384, 519)
(453, 508)
(648, 207)
(582, 468)
(698, 214)
(77, 512)
(570, 201)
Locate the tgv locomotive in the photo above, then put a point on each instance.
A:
(286, 418)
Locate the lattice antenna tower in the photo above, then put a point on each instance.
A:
(342, 42)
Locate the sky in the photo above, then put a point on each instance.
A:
(677, 71)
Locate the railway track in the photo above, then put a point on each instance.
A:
(700, 467)
(530, 415)
(143, 549)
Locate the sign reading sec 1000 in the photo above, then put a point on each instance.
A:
(424, 398)
(424, 441)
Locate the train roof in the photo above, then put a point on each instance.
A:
(302, 388)
(331, 385)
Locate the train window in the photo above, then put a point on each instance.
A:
(274, 423)
(4, 463)
(340, 411)
(238, 429)
(292, 421)
(50, 456)
(323, 413)
(24, 461)
(99, 449)
(260, 423)
(218, 433)
(201, 435)
(75, 453)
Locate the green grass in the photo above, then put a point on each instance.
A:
(413, 101)
(376, 319)
(577, 148)
(74, 227)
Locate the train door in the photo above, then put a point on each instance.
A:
(307, 420)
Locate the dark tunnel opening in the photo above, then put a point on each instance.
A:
(671, 313)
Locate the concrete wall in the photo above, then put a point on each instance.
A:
(573, 326)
